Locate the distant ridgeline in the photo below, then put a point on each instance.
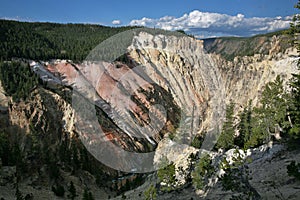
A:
(44, 41)
(229, 47)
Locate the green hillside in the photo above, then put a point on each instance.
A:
(43, 41)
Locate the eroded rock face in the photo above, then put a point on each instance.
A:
(3, 107)
(191, 86)
(245, 77)
(181, 66)
(169, 85)
(185, 74)
(3, 98)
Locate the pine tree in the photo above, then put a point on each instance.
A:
(203, 171)
(75, 157)
(226, 139)
(270, 117)
(166, 174)
(87, 195)
(18, 194)
(150, 193)
(72, 191)
(294, 110)
(59, 190)
(244, 126)
(5, 149)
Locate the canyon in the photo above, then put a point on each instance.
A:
(148, 100)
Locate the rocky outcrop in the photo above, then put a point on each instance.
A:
(3, 107)
(179, 155)
(3, 98)
(46, 111)
(267, 173)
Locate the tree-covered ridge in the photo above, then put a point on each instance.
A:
(44, 41)
(17, 79)
(230, 47)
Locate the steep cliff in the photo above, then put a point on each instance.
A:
(242, 78)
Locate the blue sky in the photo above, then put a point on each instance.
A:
(168, 14)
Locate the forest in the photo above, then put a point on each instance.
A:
(44, 41)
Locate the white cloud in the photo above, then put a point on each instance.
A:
(199, 23)
(116, 22)
(17, 18)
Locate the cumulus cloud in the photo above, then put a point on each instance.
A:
(116, 22)
(205, 24)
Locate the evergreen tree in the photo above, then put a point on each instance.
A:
(75, 157)
(17, 79)
(46, 41)
(166, 174)
(18, 194)
(226, 139)
(270, 116)
(203, 171)
(236, 178)
(87, 195)
(150, 193)
(244, 126)
(294, 111)
(293, 169)
(59, 190)
(72, 191)
(86, 163)
(5, 149)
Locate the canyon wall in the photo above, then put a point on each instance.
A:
(168, 86)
